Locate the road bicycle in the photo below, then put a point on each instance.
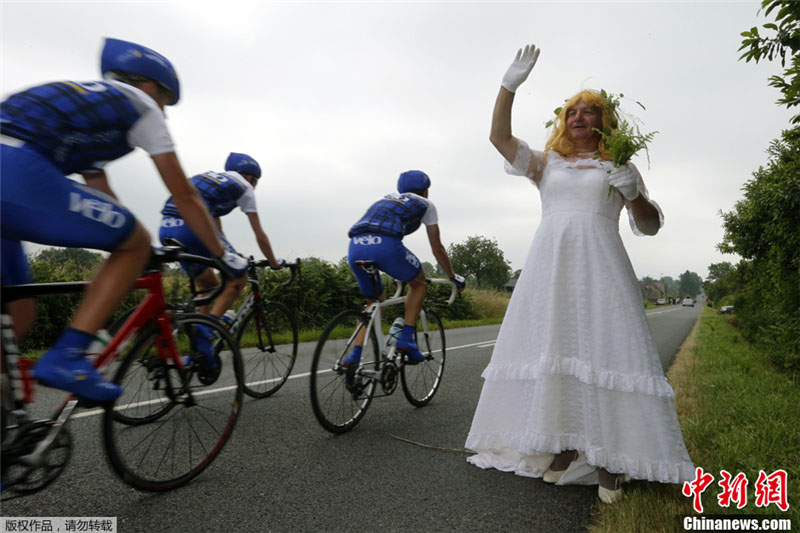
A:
(340, 399)
(265, 330)
(176, 411)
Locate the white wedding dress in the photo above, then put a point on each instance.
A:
(575, 366)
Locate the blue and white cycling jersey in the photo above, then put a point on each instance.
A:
(81, 126)
(222, 192)
(396, 215)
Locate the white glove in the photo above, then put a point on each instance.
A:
(521, 67)
(281, 263)
(624, 179)
(233, 265)
(459, 281)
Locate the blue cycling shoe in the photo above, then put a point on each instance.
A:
(408, 345)
(204, 341)
(68, 369)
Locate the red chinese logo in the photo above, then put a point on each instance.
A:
(772, 489)
(733, 490)
(695, 488)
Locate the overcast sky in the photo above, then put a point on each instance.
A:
(336, 99)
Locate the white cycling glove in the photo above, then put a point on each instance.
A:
(624, 180)
(281, 263)
(459, 281)
(232, 264)
(521, 67)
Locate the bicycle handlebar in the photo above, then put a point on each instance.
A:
(264, 263)
(172, 254)
(159, 257)
(431, 281)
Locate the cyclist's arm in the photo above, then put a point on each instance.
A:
(262, 239)
(99, 180)
(188, 201)
(438, 249)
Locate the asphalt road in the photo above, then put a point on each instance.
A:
(282, 472)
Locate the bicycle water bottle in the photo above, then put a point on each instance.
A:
(394, 331)
(227, 318)
(98, 345)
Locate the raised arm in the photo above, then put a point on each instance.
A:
(500, 134)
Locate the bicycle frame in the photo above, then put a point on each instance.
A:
(153, 309)
(375, 320)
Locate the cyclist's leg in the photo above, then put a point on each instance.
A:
(364, 250)
(205, 278)
(405, 266)
(39, 204)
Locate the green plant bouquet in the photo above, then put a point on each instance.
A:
(622, 139)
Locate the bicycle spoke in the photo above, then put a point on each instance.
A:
(170, 450)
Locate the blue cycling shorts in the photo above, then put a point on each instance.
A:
(14, 265)
(39, 204)
(176, 228)
(389, 253)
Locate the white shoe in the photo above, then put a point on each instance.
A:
(610, 496)
(552, 476)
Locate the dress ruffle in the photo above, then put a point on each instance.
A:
(583, 371)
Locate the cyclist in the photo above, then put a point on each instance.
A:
(222, 192)
(378, 236)
(66, 127)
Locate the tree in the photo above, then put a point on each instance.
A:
(61, 258)
(763, 229)
(786, 40)
(690, 284)
(480, 260)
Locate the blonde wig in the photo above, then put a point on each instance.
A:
(560, 141)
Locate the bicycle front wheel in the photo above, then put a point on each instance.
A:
(421, 381)
(340, 398)
(268, 341)
(173, 448)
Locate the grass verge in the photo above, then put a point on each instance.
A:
(737, 414)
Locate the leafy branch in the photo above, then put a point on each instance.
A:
(622, 139)
(786, 41)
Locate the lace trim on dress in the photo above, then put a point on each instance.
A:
(595, 455)
(557, 160)
(583, 371)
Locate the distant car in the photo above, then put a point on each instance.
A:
(687, 301)
(726, 309)
(661, 301)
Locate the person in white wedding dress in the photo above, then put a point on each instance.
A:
(575, 392)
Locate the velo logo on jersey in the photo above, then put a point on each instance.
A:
(96, 210)
(366, 240)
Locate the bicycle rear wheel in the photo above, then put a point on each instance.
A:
(421, 381)
(182, 441)
(337, 405)
(268, 341)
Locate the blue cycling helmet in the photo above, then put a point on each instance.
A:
(413, 180)
(244, 164)
(123, 56)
